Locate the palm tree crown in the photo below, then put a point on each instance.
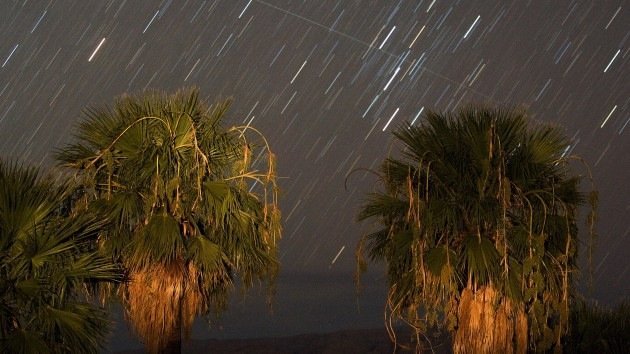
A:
(189, 211)
(47, 259)
(479, 233)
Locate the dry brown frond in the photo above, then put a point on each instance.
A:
(271, 173)
(247, 157)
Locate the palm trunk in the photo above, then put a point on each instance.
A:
(489, 323)
(174, 343)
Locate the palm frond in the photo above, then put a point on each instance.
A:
(47, 263)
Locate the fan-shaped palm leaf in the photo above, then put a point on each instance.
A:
(47, 259)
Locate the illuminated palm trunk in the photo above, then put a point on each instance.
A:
(174, 343)
(489, 323)
(161, 302)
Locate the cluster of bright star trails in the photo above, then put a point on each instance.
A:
(327, 81)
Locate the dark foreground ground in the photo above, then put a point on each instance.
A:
(343, 342)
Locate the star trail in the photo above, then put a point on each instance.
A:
(326, 82)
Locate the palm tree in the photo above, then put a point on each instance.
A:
(478, 230)
(46, 261)
(189, 212)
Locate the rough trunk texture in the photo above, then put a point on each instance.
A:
(488, 323)
(174, 341)
(162, 301)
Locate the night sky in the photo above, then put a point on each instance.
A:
(326, 81)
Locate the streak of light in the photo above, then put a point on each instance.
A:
(564, 49)
(402, 59)
(57, 95)
(430, 5)
(444, 17)
(391, 118)
(351, 168)
(613, 59)
(307, 260)
(133, 78)
(10, 54)
(355, 39)
(612, 18)
(40, 20)
(542, 90)
(224, 44)
(370, 106)
(253, 184)
(246, 127)
(391, 79)
(193, 68)
(337, 20)
(250, 111)
(298, 72)
(135, 56)
(408, 68)
(471, 26)
(601, 263)
(418, 65)
(287, 105)
(335, 79)
(371, 130)
(387, 37)
(293, 210)
(601, 156)
(97, 48)
(150, 22)
(7, 111)
(609, 114)
(371, 45)
(246, 6)
(326, 148)
(417, 35)
(417, 115)
(572, 62)
(326, 65)
(278, 54)
(338, 254)
(333, 99)
(478, 72)
(245, 27)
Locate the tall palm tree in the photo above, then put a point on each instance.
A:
(478, 229)
(47, 259)
(190, 213)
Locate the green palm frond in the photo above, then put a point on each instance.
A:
(481, 260)
(159, 241)
(47, 262)
(383, 206)
(377, 244)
